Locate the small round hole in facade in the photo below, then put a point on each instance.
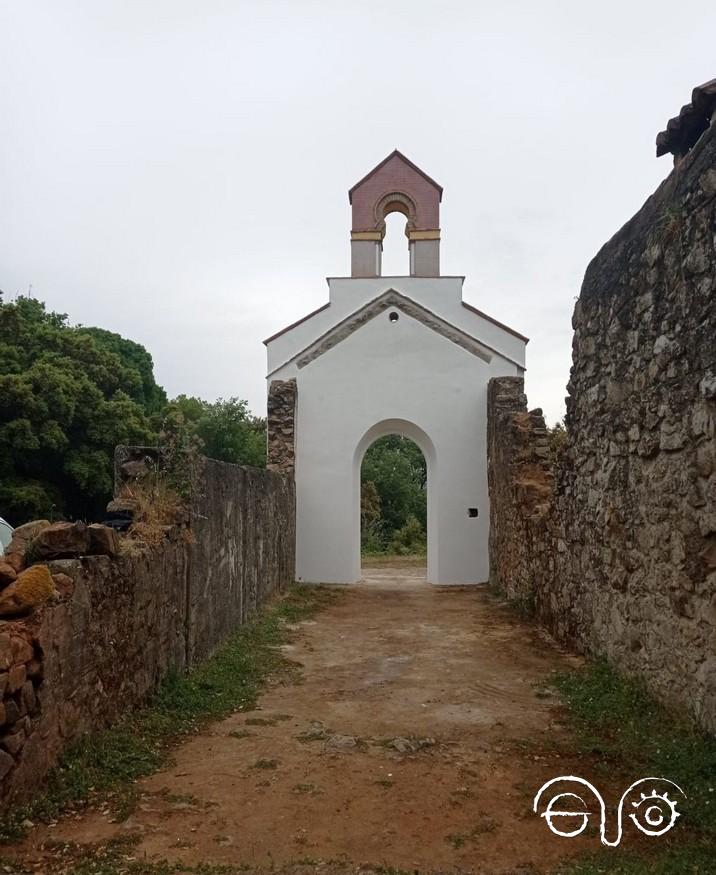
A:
(393, 316)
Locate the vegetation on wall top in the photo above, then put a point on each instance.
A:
(228, 431)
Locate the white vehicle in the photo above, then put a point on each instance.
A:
(5, 535)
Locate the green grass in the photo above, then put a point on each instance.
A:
(107, 763)
(264, 763)
(624, 728)
(688, 860)
(393, 560)
(457, 840)
(305, 788)
(523, 606)
(316, 733)
(267, 721)
(117, 857)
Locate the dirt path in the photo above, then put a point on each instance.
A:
(416, 739)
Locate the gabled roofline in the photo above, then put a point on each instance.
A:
(392, 298)
(385, 160)
(297, 322)
(464, 304)
(495, 322)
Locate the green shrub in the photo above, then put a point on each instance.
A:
(409, 538)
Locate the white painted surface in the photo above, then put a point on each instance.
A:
(393, 377)
(442, 295)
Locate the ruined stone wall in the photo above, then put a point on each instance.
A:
(121, 624)
(632, 526)
(101, 648)
(245, 535)
(639, 508)
(281, 426)
(521, 485)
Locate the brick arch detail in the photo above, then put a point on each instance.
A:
(395, 202)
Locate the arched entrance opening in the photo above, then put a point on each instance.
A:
(394, 501)
(394, 475)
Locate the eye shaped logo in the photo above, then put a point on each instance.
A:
(567, 814)
(658, 811)
(560, 819)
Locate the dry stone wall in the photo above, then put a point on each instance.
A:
(521, 484)
(20, 677)
(622, 560)
(119, 624)
(244, 542)
(101, 648)
(281, 425)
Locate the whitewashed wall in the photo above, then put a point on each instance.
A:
(393, 377)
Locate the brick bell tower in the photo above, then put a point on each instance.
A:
(395, 185)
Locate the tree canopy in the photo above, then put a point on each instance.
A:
(135, 357)
(227, 430)
(67, 397)
(394, 495)
(70, 394)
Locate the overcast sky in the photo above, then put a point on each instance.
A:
(178, 171)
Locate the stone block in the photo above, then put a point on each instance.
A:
(12, 712)
(16, 678)
(63, 584)
(15, 559)
(7, 573)
(28, 697)
(6, 763)
(28, 531)
(708, 555)
(13, 742)
(5, 651)
(15, 553)
(21, 649)
(60, 540)
(103, 541)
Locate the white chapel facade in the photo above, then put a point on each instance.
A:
(389, 355)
